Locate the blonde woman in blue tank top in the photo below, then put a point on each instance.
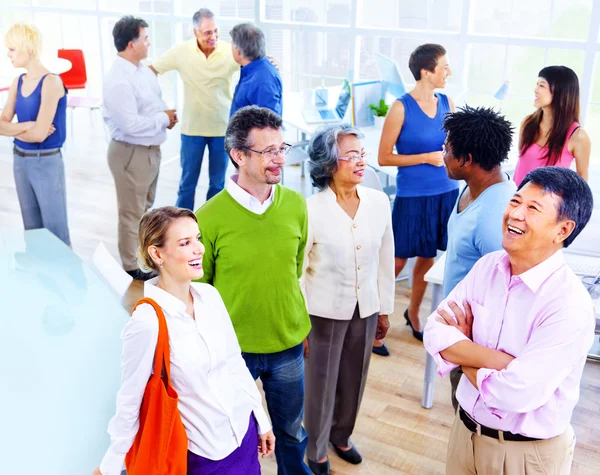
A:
(425, 195)
(39, 100)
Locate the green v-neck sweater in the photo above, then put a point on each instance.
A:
(255, 262)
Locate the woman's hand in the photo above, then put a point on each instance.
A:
(26, 126)
(383, 325)
(435, 158)
(97, 471)
(51, 130)
(266, 444)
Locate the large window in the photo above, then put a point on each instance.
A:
(240, 9)
(399, 49)
(565, 19)
(410, 14)
(319, 42)
(325, 12)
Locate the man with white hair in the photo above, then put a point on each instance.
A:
(207, 69)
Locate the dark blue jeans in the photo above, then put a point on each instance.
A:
(192, 153)
(282, 376)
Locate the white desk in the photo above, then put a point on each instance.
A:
(435, 276)
(61, 357)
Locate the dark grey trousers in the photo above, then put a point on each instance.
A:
(335, 376)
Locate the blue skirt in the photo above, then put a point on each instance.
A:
(242, 461)
(421, 224)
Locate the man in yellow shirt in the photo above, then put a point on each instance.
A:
(207, 68)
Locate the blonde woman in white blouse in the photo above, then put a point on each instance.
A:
(220, 405)
(349, 288)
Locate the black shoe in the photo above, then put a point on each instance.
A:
(418, 335)
(138, 274)
(381, 350)
(351, 455)
(319, 468)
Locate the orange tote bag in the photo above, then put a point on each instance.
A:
(160, 446)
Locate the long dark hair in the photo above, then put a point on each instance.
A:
(564, 87)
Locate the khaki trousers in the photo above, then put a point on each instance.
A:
(469, 453)
(135, 171)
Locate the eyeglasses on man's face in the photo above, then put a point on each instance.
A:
(354, 158)
(272, 153)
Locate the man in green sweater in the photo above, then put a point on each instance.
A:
(255, 233)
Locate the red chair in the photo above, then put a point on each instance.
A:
(76, 78)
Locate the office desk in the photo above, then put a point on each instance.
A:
(60, 357)
(435, 276)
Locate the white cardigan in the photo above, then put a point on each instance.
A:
(349, 260)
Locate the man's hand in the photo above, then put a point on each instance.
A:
(305, 345)
(266, 444)
(172, 113)
(383, 325)
(465, 319)
(273, 61)
(97, 471)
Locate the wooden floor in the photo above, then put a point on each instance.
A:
(394, 433)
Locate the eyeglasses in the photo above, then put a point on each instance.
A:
(355, 158)
(272, 154)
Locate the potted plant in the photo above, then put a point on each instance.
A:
(379, 112)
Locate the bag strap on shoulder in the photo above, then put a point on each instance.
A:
(162, 356)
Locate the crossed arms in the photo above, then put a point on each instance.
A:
(470, 356)
(554, 352)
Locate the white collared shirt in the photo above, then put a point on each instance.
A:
(349, 260)
(133, 107)
(246, 199)
(216, 391)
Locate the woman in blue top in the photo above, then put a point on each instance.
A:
(425, 195)
(40, 99)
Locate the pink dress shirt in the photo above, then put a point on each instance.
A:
(545, 319)
(535, 157)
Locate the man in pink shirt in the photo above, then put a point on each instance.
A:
(520, 325)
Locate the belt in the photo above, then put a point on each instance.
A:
(496, 434)
(33, 153)
(127, 144)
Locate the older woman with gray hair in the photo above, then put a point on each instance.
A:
(349, 288)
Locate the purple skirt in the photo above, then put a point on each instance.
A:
(242, 461)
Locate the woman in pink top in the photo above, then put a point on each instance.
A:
(551, 136)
